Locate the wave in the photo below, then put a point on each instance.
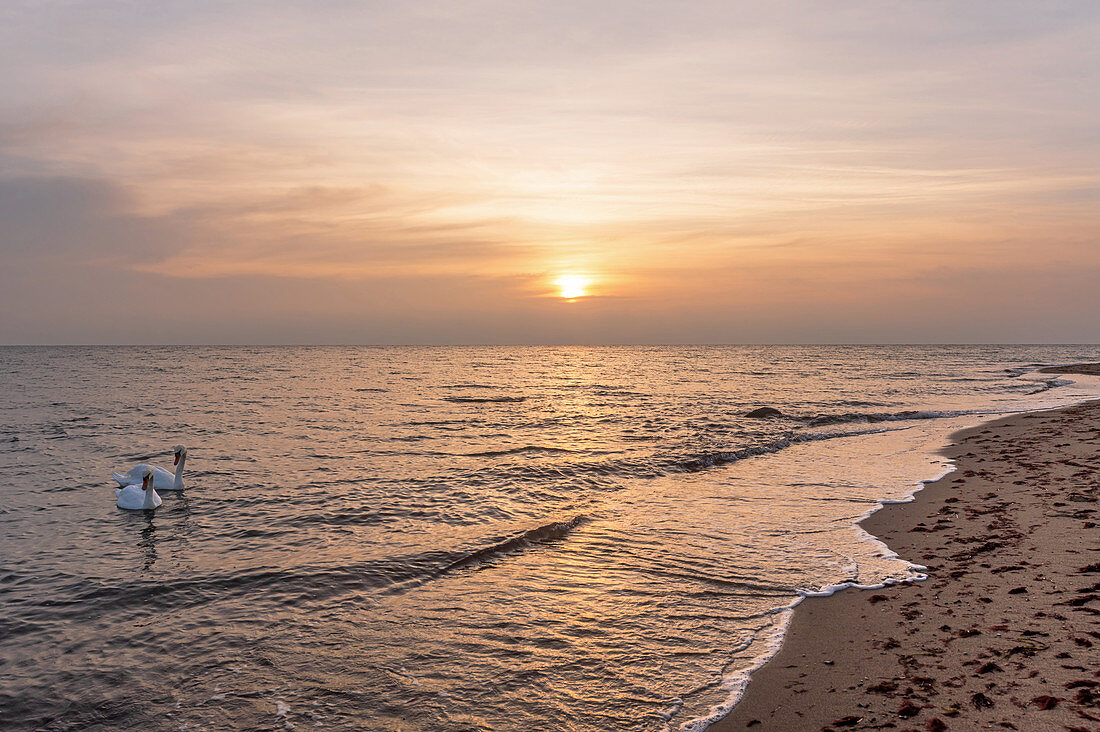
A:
(482, 400)
(1049, 384)
(822, 420)
(825, 419)
(90, 599)
(619, 392)
(606, 474)
(724, 457)
(1017, 371)
(541, 535)
(518, 451)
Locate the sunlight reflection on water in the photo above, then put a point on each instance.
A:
(447, 538)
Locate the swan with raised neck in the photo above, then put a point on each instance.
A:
(162, 479)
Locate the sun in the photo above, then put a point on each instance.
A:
(572, 286)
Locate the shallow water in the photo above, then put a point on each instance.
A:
(451, 538)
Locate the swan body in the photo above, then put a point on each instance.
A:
(139, 497)
(162, 479)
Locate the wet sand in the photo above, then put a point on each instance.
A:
(1004, 633)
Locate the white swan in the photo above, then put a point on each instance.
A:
(162, 479)
(137, 497)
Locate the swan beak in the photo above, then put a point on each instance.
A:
(144, 483)
(177, 460)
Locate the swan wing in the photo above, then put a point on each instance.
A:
(161, 477)
(131, 476)
(131, 497)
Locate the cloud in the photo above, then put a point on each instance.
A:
(80, 219)
(454, 158)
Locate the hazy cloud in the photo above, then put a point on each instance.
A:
(342, 171)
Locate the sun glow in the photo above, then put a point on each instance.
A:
(572, 286)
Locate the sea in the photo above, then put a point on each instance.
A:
(454, 538)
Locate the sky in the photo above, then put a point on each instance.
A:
(794, 171)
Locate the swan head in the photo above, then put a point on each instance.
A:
(180, 452)
(146, 478)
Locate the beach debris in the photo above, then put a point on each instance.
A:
(989, 542)
(1086, 696)
(850, 721)
(981, 701)
(885, 687)
(1026, 651)
(926, 683)
(908, 709)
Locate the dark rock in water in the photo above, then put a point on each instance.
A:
(763, 412)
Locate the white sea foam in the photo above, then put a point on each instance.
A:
(735, 683)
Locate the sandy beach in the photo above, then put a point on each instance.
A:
(1002, 635)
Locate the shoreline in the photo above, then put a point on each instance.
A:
(1004, 621)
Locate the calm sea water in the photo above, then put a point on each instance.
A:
(451, 538)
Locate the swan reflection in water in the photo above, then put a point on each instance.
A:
(174, 526)
(148, 542)
(169, 531)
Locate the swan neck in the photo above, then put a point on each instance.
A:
(179, 470)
